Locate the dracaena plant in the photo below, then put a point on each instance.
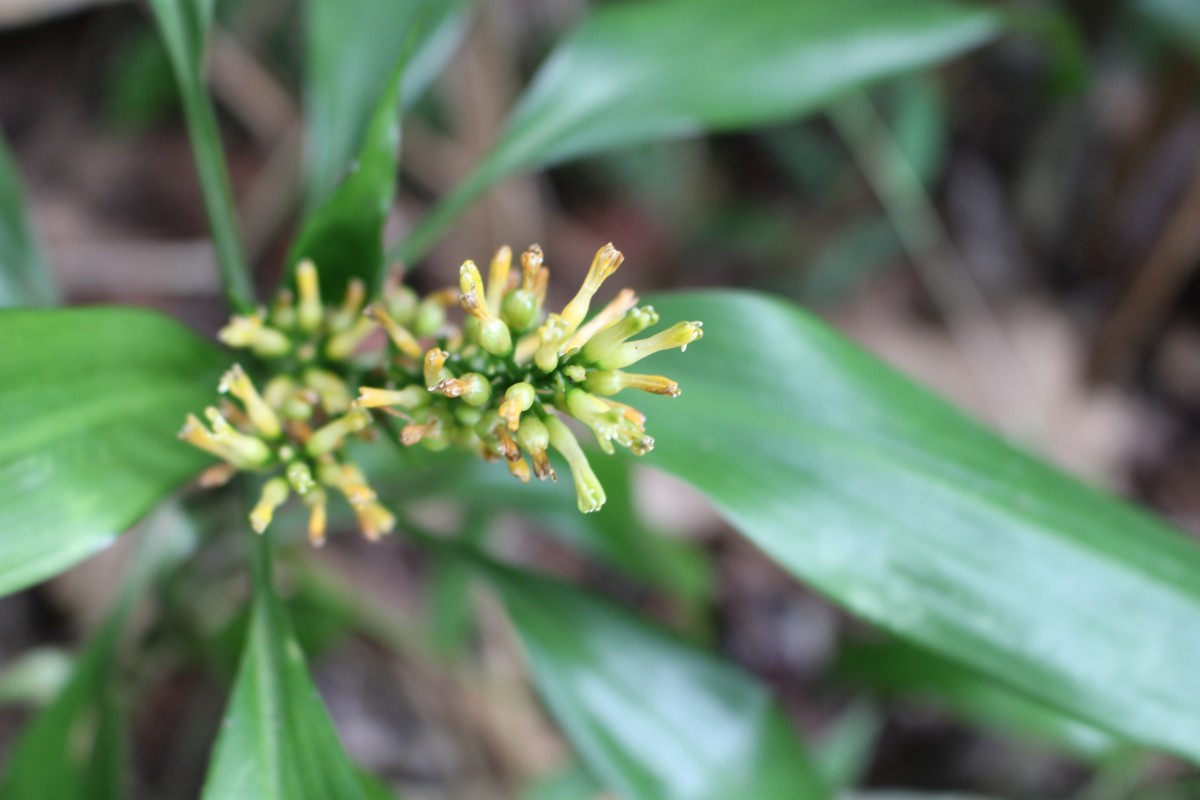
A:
(991, 569)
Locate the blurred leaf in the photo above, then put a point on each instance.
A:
(852, 255)
(76, 746)
(24, 276)
(844, 755)
(36, 676)
(900, 670)
(139, 89)
(92, 400)
(344, 237)
(353, 47)
(1176, 20)
(652, 717)
(633, 72)
(616, 535)
(373, 788)
(277, 741)
(573, 783)
(918, 121)
(901, 509)
(184, 25)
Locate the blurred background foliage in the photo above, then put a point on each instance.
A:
(1016, 229)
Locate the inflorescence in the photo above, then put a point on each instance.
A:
(499, 384)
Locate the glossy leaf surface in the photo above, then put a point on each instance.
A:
(651, 717)
(901, 509)
(24, 277)
(92, 400)
(898, 670)
(637, 71)
(352, 49)
(277, 741)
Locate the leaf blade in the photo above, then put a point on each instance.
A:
(24, 275)
(919, 520)
(93, 398)
(653, 718)
(277, 741)
(634, 72)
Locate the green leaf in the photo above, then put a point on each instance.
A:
(92, 400)
(1175, 20)
(844, 755)
(76, 747)
(651, 717)
(633, 72)
(344, 237)
(919, 520)
(277, 741)
(184, 25)
(896, 669)
(353, 46)
(24, 277)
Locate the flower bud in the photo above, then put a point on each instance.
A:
(352, 303)
(330, 436)
(604, 342)
(430, 317)
(473, 388)
(315, 500)
(409, 397)
(330, 390)
(283, 310)
(517, 400)
(520, 309)
(609, 382)
(588, 490)
(274, 493)
(309, 311)
(248, 452)
(498, 274)
(678, 335)
(400, 336)
(534, 438)
(262, 417)
(343, 344)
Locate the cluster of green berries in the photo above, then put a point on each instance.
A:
(500, 384)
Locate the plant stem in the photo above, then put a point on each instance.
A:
(218, 197)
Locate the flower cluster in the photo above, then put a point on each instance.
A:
(295, 429)
(500, 384)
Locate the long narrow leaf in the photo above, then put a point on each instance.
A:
(277, 741)
(91, 401)
(652, 717)
(352, 48)
(919, 520)
(638, 71)
(24, 277)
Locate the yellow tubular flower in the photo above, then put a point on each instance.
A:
(310, 310)
(604, 264)
(517, 400)
(473, 388)
(194, 433)
(401, 337)
(519, 469)
(678, 335)
(344, 317)
(343, 344)
(317, 518)
(374, 520)
(609, 382)
(588, 491)
(608, 316)
(604, 342)
(274, 493)
(534, 438)
(262, 417)
(330, 390)
(409, 397)
(435, 367)
(494, 335)
(498, 275)
(332, 434)
(248, 451)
